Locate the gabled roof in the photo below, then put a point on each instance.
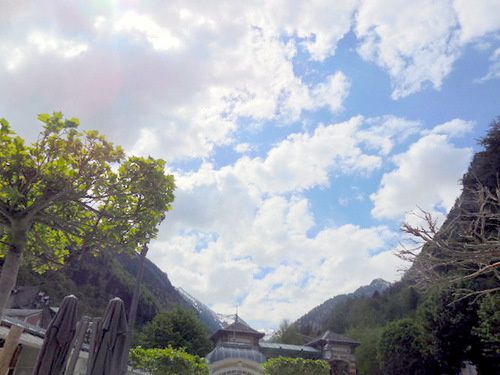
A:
(330, 336)
(238, 326)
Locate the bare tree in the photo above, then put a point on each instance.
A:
(465, 248)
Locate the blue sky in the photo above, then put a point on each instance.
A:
(301, 134)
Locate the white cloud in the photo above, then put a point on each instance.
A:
(306, 160)
(383, 133)
(332, 92)
(494, 68)
(320, 23)
(477, 18)
(160, 38)
(426, 176)
(416, 43)
(242, 148)
(454, 128)
(186, 76)
(46, 43)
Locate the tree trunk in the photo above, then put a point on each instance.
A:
(12, 261)
(133, 309)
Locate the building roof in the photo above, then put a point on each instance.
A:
(238, 326)
(222, 352)
(330, 336)
(298, 348)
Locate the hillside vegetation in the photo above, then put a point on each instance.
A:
(96, 279)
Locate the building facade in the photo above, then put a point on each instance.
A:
(239, 351)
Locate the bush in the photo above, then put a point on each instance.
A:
(168, 361)
(296, 366)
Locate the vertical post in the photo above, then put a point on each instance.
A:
(9, 347)
(77, 346)
(93, 338)
(133, 309)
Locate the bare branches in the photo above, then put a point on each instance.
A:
(465, 248)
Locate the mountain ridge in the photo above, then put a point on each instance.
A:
(315, 319)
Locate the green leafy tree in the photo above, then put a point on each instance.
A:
(168, 361)
(178, 328)
(295, 366)
(366, 352)
(288, 334)
(403, 349)
(73, 190)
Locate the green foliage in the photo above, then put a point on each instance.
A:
(397, 302)
(178, 328)
(488, 332)
(450, 325)
(403, 349)
(94, 280)
(288, 334)
(366, 353)
(74, 189)
(295, 366)
(168, 361)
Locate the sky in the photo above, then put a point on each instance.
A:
(301, 133)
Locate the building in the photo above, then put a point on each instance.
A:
(236, 350)
(239, 351)
(338, 350)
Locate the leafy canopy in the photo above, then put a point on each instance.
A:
(178, 328)
(73, 189)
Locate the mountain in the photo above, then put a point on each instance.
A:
(97, 279)
(315, 320)
(212, 320)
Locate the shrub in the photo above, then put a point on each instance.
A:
(168, 361)
(296, 366)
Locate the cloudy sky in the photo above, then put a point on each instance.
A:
(301, 133)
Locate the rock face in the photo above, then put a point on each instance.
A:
(316, 319)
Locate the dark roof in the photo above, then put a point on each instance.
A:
(330, 336)
(272, 350)
(239, 327)
(277, 345)
(222, 352)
